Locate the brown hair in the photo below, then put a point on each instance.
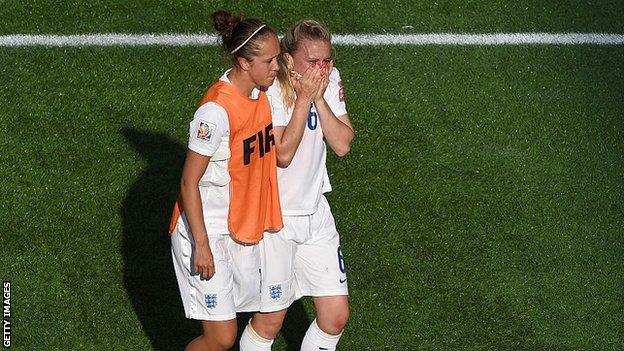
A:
(236, 31)
(305, 29)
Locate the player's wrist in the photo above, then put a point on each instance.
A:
(304, 101)
(201, 240)
(319, 100)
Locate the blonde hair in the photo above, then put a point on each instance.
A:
(305, 29)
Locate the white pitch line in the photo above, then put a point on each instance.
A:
(483, 39)
(112, 39)
(179, 39)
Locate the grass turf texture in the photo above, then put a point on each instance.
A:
(377, 16)
(490, 183)
(480, 207)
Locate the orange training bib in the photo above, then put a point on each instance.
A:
(254, 197)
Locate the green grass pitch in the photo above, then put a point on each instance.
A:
(480, 208)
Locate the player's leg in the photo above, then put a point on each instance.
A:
(321, 273)
(316, 339)
(209, 301)
(261, 330)
(277, 252)
(217, 336)
(268, 324)
(332, 313)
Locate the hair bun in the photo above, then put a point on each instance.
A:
(224, 22)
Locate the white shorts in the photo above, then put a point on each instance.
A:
(233, 288)
(303, 259)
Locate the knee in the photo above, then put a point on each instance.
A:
(335, 323)
(273, 327)
(224, 342)
(340, 319)
(220, 341)
(216, 342)
(267, 325)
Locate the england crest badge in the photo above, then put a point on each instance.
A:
(275, 292)
(211, 300)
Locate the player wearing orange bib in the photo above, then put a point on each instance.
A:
(229, 194)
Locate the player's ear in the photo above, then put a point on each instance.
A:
(243, 63)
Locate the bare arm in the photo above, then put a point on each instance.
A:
(287, 138)
(194, 167)
(337, 130)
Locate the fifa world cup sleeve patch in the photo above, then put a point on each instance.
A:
(205, 131)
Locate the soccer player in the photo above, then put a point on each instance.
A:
(228, 195)
(305, 258)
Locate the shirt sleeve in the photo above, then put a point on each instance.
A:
(207, 129)
(278, 110)
(334, 94)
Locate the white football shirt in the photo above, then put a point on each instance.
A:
(302, 183)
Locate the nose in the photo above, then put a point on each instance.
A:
(274, 66)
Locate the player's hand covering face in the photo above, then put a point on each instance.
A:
(313, 58)
(307, 85)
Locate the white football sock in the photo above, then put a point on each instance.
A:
(251, 341)
(315, 339)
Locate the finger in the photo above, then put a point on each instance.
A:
(307, 73)
(325, 81)
(315, 75)
(210, 272)
(293, 82)
(319, 77)
(296, 75)
(203, 272)
(316, 70)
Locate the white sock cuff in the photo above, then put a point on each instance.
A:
(324, 335)
(251, 341)
(255, 336)
(315, 339)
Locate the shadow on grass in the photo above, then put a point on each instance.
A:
(148, 270)
(295, 325)
(149, 277)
